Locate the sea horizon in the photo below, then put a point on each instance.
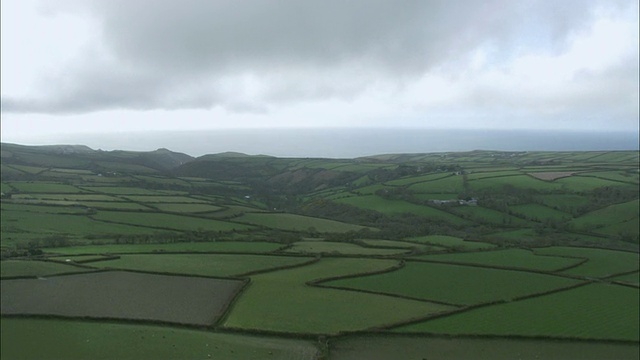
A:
(348, 142)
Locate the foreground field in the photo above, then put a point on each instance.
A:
(415, 347)
(69, 340)
(121, 295)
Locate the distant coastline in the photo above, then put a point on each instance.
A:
(351, 143)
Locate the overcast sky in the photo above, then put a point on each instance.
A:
(82, 66)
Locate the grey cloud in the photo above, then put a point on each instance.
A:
(176, 54)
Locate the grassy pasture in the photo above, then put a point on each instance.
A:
(426, 197)
(578, 183)
(44, 187)
(370, 189)
(186, 208)
(125, 168)
(399, 244)
(281, 301)
(490, 173)
(517, 181)
(633, 279)
(217, 246)
(10, 268)
(418, 179)
(484, 215)
(122, 295)
(451, 184)
(19, 207)
(377, 203)
(29, 169)
(616, 156)
(461, 285)
(164, 180)
(601, 262)
(539, 212)
(564, 201)
(630, 227)
(165, 199)
(67, 197)
(72, 171)
(386, 347)
(296, 222)
(327, 247)
(610, 215)
(597, 311)
(451, 242)
(120, 190)
(9, 171)
(78, 340)
(514, 258)
(622, 176)
(167, 221)
(114, 205)
(61, 223)
(5, 188)
(200, 264)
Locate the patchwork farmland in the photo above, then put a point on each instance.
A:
(447, 256)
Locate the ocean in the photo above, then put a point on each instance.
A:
(350, 143)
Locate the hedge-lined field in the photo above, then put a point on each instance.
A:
(200, 264)
(296, 222)
(12, 268)
(78, 340)
(512, 258)
(597, 311)
(385, 347)
(121, 295)
(281, 301)
(216, 246)
(460, 285)
(327, 247)
(377, 203)
(451, 242)
(601, 262)
(167, 221)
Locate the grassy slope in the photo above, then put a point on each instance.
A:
(200, 264)
(281, 301)
(455, 284)
(61, 339)
(607, 312)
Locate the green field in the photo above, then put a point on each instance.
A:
(538, 212)
(281, 301)
(614, 214)
(516, 181)
(296, 222)
(65, 339)
(602, 312)
(200, 264)
(219, 246)
(385, 347)
(167, 221)
(327, 247)
(601, 263)
(454, 284)
(187, 208)
(45, 187)
(374, 202)
(511, 258)
(451, 242)
(12, 268)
